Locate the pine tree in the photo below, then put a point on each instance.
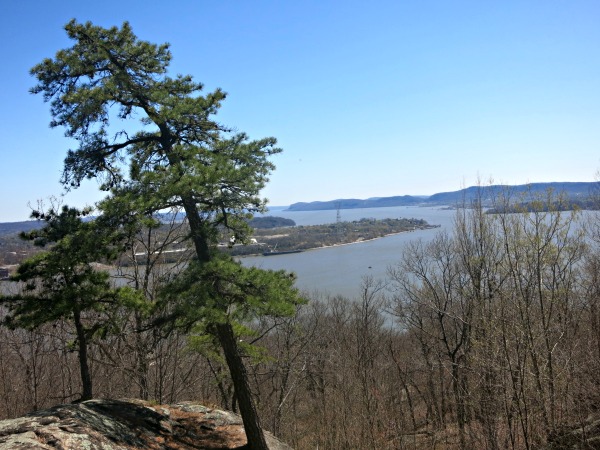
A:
(178, 157)
(62, 283)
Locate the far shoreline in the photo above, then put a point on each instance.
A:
(361, 241)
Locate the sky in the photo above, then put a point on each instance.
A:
(366, 99)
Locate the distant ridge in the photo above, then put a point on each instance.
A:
(353, 203)
(576, 192)
(17, 227)
(579, 192)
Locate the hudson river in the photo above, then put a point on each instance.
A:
(339, 270)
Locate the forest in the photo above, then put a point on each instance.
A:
(485, 337)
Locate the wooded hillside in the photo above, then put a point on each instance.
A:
(485, 337)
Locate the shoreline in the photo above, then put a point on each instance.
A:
(430, 227)
(371, 239)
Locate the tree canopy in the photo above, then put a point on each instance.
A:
(62, 282)
(178, 155)
(152, 141)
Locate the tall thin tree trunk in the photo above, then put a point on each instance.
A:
(227, 340)
(141, 363)
(86, 379)
(254, 432)
(460, 406)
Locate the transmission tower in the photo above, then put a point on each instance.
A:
(338, 221)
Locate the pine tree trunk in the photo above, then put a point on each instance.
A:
(226, 336)
(141, 367)
(86, 379)
(254, 432)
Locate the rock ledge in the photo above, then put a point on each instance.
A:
(127, 424)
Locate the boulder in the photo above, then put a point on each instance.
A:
(127, 424)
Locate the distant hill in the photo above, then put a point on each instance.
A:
(577, 192)
(573, 191)
(256, 222)
(270, 222)
(353, 203)
(17, 227)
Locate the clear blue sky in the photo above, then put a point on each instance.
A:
(366, 98)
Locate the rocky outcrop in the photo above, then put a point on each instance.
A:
(127, 424)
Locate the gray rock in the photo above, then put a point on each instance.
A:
(127, 424)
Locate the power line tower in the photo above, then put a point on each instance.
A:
(338, 221)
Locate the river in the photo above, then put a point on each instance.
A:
(339, 270)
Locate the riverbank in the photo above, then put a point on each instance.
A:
(364, 241)
(314, 237)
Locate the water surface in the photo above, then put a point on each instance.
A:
(339, 270)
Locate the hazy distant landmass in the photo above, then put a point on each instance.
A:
(17, 227)
(9, 228)
(270, 222)
(577, 192)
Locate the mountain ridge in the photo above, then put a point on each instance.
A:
(574, 191)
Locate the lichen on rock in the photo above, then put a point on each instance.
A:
(127, 424)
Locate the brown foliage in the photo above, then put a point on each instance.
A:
(486, 338)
